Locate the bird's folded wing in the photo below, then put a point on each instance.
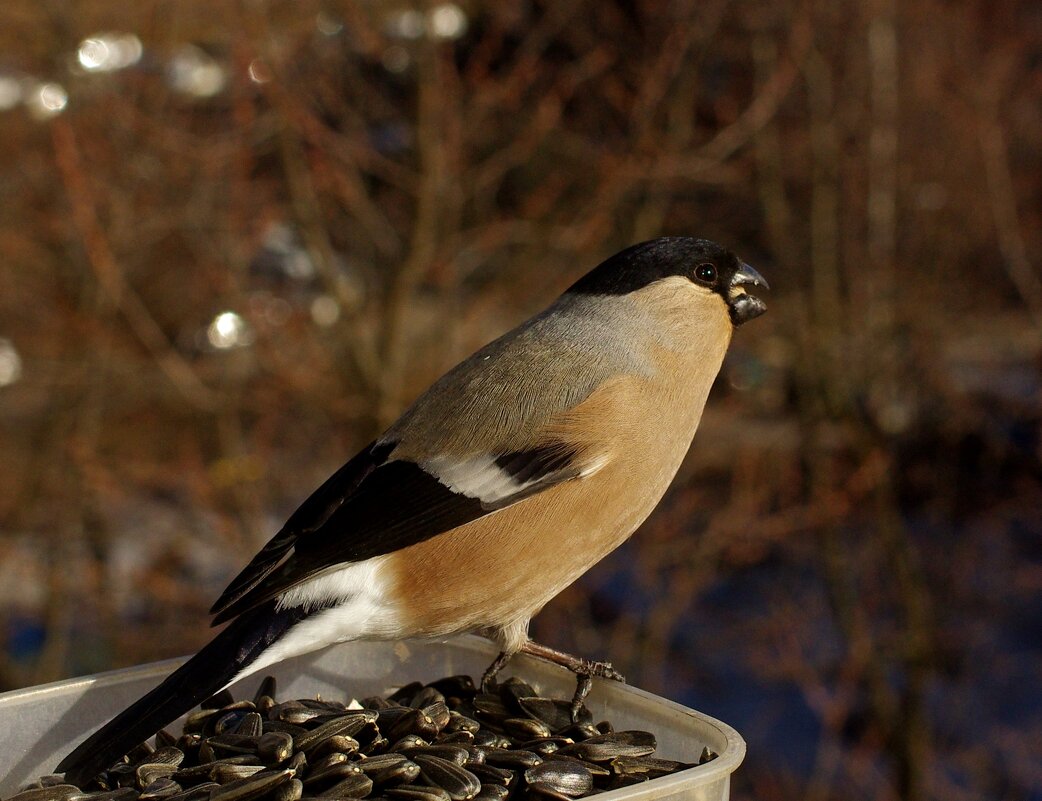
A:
(376, 504)
(309, 517)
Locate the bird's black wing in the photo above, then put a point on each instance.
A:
(309, 517)
(374, 505)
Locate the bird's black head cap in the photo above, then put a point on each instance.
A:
(699, 260)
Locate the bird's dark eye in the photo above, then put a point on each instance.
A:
(706, 273)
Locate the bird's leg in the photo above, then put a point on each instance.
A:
(584, 670)
(576, 664)
(497, 665)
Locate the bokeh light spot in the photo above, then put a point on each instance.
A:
(228, 330)
(193, 72)
(48, 100)
(406, 24)
(328, 25)
(325, 311)
(105, 52)
(10, 363)
(259, 72)
(447, 21)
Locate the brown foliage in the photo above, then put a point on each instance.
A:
(374, 202)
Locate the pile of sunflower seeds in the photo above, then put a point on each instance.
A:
(442, 741)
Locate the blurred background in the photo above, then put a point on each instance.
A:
(236, 239)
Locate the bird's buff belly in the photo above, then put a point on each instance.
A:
(499, 571)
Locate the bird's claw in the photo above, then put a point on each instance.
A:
(602, 670)
(585, 671)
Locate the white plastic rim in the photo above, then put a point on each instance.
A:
(39, 725)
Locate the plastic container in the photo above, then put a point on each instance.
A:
(39, 725)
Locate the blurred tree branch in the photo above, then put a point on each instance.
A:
(108, 274)
(370, 197)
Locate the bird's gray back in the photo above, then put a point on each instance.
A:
(518, 382)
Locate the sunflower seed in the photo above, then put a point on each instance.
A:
(355, 785)
(459, 687)
(56, 792)
(579, 731)
(161, 788)
(546, 745)
(544, 792)
(615, 782)
(458, 722)
(595, 769)
(218, 700)
(390, 769)
(292, 729)
(346, 725)
(233, 744)
(454, 738)
(649, 765)
(426, 696)
(288, 791)
(122, 794)
(457, 781)
(409, 741)
(250, 725)
(148, 773)
(292, 712)
(266, 689)
(253, 787)
(416, 792)
(405, 692)
(458, 743)
(554, 712)
(568, 778)
(223, 773)
(298, 763)
(606, 747)
(331, 769)
(412, 721)
(452, 753)
(526, 728)
(275, 746)
(492, 792)
(490, 706)
(512, 759)
(489, 739)
(438, 712)
(489, 774)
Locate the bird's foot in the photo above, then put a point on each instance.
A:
(584, 669)
(488, 678)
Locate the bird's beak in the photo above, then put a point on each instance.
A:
(744, 307)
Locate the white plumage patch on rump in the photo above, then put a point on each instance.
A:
(363, 609)
(353, 582)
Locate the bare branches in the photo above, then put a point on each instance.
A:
(370, 197)
(1003, 199)
(109, 276)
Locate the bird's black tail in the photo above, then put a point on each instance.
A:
(207, 672)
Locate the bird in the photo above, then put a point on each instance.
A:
(506, 480)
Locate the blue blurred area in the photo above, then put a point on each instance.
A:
(24, 638)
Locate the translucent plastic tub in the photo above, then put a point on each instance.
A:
(39, 725)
